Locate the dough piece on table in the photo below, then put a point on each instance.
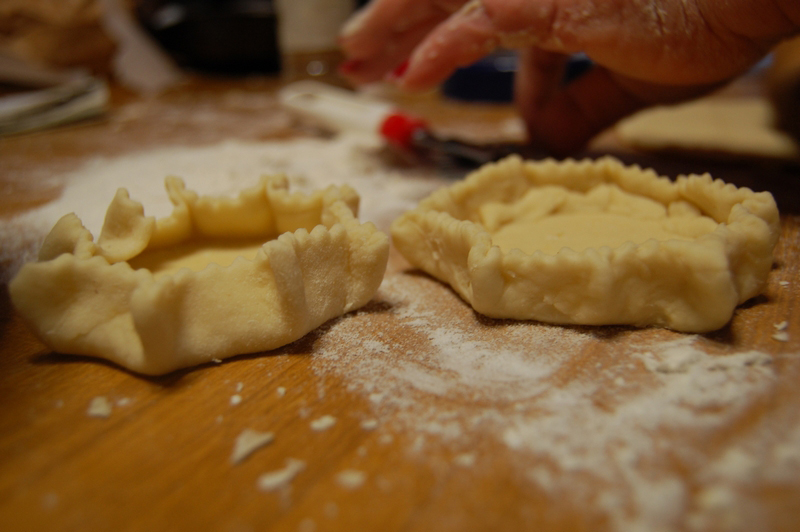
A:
(218, 277)
(594, 243)
(734, 126)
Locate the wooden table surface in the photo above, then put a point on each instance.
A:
(712, 444)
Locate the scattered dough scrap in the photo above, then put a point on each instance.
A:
(99, 407)
(594, 243)
(369, 424)
(351, 479)
(781, 336)
(733, 125)
(248, 442)
(465, 459)
(281, 478)
(218, 277)
(323, 423)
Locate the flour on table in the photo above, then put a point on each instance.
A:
(454, 379)
(444, 378)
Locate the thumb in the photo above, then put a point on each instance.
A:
(563, 118)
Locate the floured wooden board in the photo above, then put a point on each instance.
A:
(416, 413)
(418, 404)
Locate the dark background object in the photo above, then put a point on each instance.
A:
(783, 86)
(491, 79)
(221, 36)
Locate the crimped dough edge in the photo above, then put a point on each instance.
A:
(690, 286)
(318, 262)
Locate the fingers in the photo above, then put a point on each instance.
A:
(679, 42)
(538, 77)
(562, 119)
(360, 69)
(382, 35)
(462, 39)
(482, 26)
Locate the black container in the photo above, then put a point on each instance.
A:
(223, 36)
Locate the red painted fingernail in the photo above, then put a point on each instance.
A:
(400, 70)
(349, 66)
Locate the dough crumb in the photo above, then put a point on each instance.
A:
(123, 401)
(376, 397)
(541, 476)
(278, 479)
(351, 479)
(236, 399)
(307, 525)
(465, 459)
(248, 442)
(99, 407)
(781, 336)
(369, 424)
(782, 326)
(323, 423)
(783, 283)
(281, 391)
(239, 386)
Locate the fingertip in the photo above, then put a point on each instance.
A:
(567, 118)
(355, 23)
(401, 69)
(350, 66)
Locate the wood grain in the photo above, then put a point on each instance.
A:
(160, 461)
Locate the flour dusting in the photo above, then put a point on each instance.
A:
(647, 420)
(625, 421)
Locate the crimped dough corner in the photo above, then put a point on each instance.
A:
(218, 277)
(594, 243)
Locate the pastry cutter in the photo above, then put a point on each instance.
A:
(340, 109)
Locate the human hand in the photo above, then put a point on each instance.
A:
(646, 51)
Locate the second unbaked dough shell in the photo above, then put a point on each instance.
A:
(691, 286)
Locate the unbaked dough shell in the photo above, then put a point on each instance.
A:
(731, 126)
(691, 286)
(84, 298)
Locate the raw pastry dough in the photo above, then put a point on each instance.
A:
(212, 280)
(739, 126)
(594, 242)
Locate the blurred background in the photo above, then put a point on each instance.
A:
(66, 51)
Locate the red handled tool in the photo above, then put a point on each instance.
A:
(343, 110)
